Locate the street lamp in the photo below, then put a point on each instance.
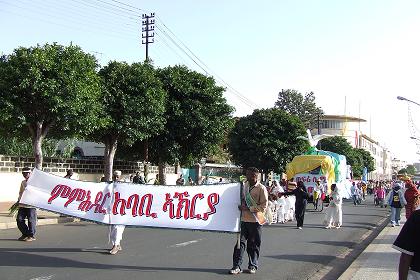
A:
(405, 99)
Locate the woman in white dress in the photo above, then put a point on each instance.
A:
(290, 203)
(334, 213)
(281, 205)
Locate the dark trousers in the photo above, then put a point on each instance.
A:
(300, 213)
(30, 214)
(251, 240)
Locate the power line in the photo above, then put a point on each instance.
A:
(248, 102)
(108, 11)
(43, 11)
(134, 13)
(129, 15)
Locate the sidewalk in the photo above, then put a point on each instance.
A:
(379, 260)
(44, 218)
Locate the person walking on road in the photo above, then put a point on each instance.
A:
(397, 201)
(380, 195)
(412, 196)
(355, 192)
(26, 212)
(318, 190)
(408, 243)
(138, 179)
(253, 206)
(302, 196)
(116, 232)
(69, 174)
(334, 213)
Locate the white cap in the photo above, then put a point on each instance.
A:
(117, 173)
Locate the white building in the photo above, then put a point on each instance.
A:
(350, 128)
(397, 165)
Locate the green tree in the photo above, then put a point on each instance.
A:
(15, 146)
(357, 158)
(303, 106)
(50, 89)
(267, 140)
(367, 159)
(133, 107)
(336, 144)
(411, 169)
(197, 118)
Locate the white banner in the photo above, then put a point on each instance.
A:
(310, 181)
(204, 207)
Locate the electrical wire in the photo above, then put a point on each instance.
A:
(41, 11)
(128, 17)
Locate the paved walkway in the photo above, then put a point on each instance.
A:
(378, 261)
(44, 218)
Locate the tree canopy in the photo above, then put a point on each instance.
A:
(267, 140)
(49, 89)
(197, 117)
(357, 158)
(303, 106)
(410, 169)
(133, 106)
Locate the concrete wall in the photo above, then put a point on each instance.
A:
(85, 170)
(10, 183)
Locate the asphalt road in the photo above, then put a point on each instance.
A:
(80, 250)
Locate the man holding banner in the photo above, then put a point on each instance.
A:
(117, 231)
(26, 212)
(254, 200)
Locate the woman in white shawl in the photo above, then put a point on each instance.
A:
(281, 202)
(290, 204)
(281, 205)
(334, 214)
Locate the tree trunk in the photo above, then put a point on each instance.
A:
(146, 159)
(146, 171)
(38, 132)
(37, 147)
(146, 150)
(162, 174)
(111, 143)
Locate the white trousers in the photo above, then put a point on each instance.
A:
(334, 215)
(116, 234)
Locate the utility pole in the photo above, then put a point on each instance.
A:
(148, 33)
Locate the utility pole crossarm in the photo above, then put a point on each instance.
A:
(148, 31)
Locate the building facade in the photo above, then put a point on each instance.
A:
(350, 128)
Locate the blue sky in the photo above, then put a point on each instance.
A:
(357, 56)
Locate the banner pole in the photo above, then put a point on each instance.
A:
(238, 241)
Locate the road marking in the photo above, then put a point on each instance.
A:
(49, 277)
(185, 243)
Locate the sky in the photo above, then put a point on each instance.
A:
(356, 56)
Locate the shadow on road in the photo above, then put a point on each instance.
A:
(29, 258)
(346, 244)
(321, 259)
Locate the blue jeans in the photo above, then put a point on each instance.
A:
(30, 214)
(251, 239)
(395, 215)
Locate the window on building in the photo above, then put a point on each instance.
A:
(331, 124)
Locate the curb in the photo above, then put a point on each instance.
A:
(337, 268)
(41, 222)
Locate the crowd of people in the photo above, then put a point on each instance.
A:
(287, 201)
(278, 202)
